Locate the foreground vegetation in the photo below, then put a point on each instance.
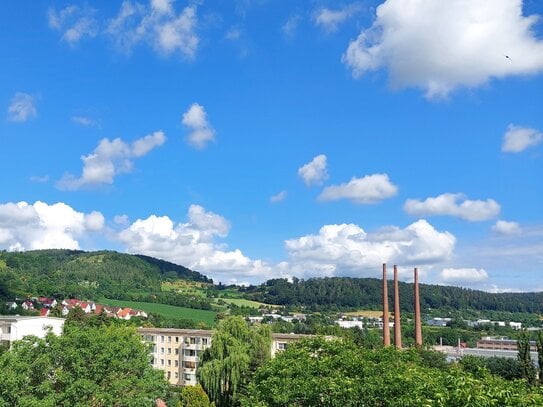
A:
(86, 366)
(319, 372)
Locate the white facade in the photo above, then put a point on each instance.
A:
(14, 328)
(350, 324)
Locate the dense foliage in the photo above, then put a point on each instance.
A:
(343, 292)
(69, 273)
(236, 351)
(86, 366)
(321, 372)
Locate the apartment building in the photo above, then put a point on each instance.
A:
(177, 351)
(15, 327)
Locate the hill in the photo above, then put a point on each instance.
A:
(343, 292)
(80, 274)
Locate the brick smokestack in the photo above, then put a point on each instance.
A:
(397, 325)
(386, 328)
(418, 324)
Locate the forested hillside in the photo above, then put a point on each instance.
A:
(86, 274)
(344, 292)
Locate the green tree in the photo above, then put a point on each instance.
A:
(524, 357)
(337, 373)
(236, 351)
(93, 366)
(194, 396)
(539, 345)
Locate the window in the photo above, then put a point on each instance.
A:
(176, 375)
(177, 339)
(162, 338)
(152, 361)
(204, 341)
(187, 377)
(161, 362)
(161, 350)
(176, 351)
(282, 345)
(176, 363)
(169, 338)
(169, 375)
(190, 352)
(169, 362)
(189, 365)
(193, 341)
(169, 351)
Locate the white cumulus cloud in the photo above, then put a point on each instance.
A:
(74, 22)
(329, 20)
(347, 249)
(35, 226)
(517, 139)
(21, 108)
(443, 45)
(157, 24)
(366, 190)
(503, 227)
(201, 132)
(193, 244)
(110, 158)
(314, 172)
(463, 275)
(453, 205)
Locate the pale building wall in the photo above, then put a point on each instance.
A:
(13, 328)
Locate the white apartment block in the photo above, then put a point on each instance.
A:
(14, 327)
(177, 351)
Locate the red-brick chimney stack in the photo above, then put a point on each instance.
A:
(418, 323)
(397, 325)
(386, 328)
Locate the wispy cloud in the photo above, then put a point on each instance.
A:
(22, 108)
(290, 26)
(329, 20)
(39, 179)
(279, 197)
(74, 23)
(84, 121)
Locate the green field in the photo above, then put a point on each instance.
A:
(169, 311)
(243, 302)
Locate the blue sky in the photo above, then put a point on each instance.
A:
(258, 139)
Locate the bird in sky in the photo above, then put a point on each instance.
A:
(509, 58)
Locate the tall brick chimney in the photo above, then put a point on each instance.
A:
(397, 325)
(418, 323)
(386, 328)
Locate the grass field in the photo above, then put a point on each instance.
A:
(169, 311)
(244, 302)
(185, 287)
(365, 313)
